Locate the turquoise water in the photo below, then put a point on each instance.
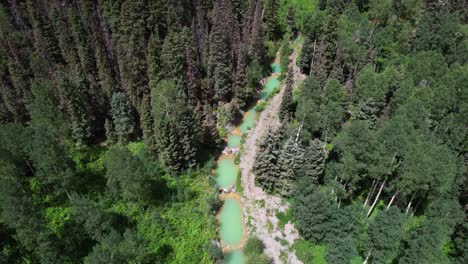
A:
(276, 67)
(230, 216)
(248, 121)
(235, 257)
(231, 223)
(234, 141)
(270, 86)
(226, 173)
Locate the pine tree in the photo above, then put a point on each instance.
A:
(155, 68)
(174, 59)
(131, 49)
(50, 131)
(83, 46)
(122, 117)
(220, 62)
(65, 38)
(290, 159)
(147, 122)
(266, 166)
(46, 44)
(287, 106)
(175, 127)
(256, 49)
(79, 107)
(271, 27)
(312, 169)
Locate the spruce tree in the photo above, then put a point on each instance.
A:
(175, 126)
(49, 134)
(311, 171)
(46, 44)
(256, 49)
(220, 62)
(290, 159)
(131, 49)
(79, 108)
(266, 166)
(83, 46)
(122, 117)
(287, 107)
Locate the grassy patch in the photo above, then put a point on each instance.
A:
(261, 203)
(239, 188)
(357, 260)
(284, 217)
(260, 106)
(284, 242)
(283, 256)
(377, 209)
(309, 253)
(269, 226)
(413, 222)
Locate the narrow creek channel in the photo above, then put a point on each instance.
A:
(231, 217)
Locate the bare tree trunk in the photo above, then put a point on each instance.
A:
(418, 204)
(393, 198)
(333, 189)
(325, 141)
(313, 57)
(409, 204)
(371, 192)
(68, 194)
(376, 198)
(367, 258)
(299, 131)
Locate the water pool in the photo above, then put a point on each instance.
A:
(231, 223)
(235, 257)
(276, 67)
(234, 141)
(270, 86)
(226, 172)
(248, 120)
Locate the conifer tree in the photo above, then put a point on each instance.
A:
(50, 131)
(175, 126)
(287, 107)
(122, 117)
(290, 159)
(65, 38)
(83, 46)
(311, 171)
(131, 49)
(79, 108)
(220, 62)
(271, 27)
(147, 122)
(256, 49)
(46, 44)
(266, 164)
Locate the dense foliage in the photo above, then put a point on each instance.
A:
(110, 112)
(376, 142)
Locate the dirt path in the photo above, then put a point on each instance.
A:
(259, 207)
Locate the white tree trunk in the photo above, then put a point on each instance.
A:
(333, 189)
(367, 258)
(370, 193)
(409, 204)
(393, 198)
(299, 131)
(376, 198)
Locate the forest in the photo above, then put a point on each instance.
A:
(112, 114)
